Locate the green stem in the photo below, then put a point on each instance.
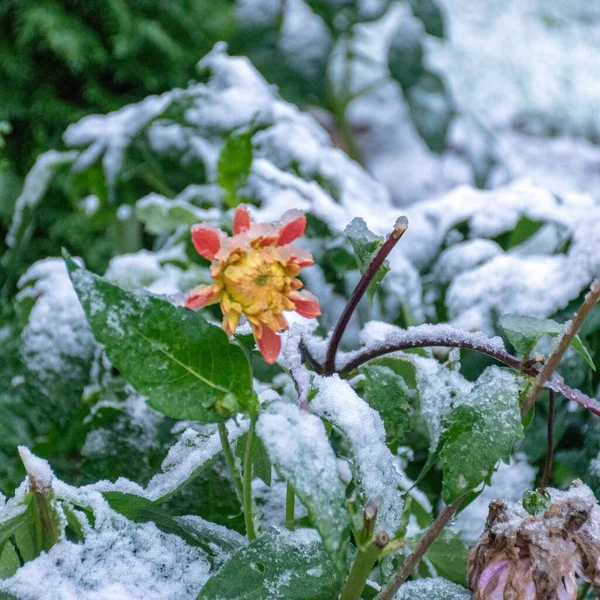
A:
(289, 507)
(230, 459)
(359, 573)
(248, 515)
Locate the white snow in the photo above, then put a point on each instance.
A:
(38, 471)
(373, 463)
(123, 560)
(509, 483)
(432, 589)
(57, 338)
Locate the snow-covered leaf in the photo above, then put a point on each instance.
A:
(373, 465)
(388, 394)
(280, 565)
(525, 332)
(480, 431)
(299, 450)
(436, 588)
(196, 532)
(184, 366)
(366, 244)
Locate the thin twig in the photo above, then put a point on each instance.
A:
(565, 341)
(359, 291)
(555, 383)
(393, 585)
(434, 340)
(550, 452)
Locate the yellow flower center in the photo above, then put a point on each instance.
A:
(256, 282)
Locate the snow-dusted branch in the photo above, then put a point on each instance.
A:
(359, 291)
(442, 335)
(423, 336)
(573, 327)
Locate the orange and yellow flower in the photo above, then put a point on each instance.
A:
(255, 273)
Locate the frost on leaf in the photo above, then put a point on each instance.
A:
(299, 449)
(280, 565)
(373, 464)
(480, 432)
(432, 589)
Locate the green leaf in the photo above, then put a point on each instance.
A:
(160, 215)
(406, 53)
(388, 394)
(520, 233)
(186, 367)
(525, 332)
(261, 465)
(300, 451)
(431, 110)
(449, 555)
(366, 244)
(480, 432)
(280, 565)
(234, 164)
(12, 524)
(217, 542)
(430, 13)
(9, 561)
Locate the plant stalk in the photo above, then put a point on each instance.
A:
(550, 452)
(289, 507)
(360, 571)
(393, 585)
(563, 344)
(248, 512)
(230, 459)
(359, 291)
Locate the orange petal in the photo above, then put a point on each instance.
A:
(206, 239)
(306, 304)
(241, 220)
(230, 322)
(291, 230)
(268, 342)
(203, 295)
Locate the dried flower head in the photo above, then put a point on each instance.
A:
(524, 557)
(255, 273)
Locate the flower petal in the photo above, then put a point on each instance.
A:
(291, 229)
(206, 239)
(306, 304)
(268, 342)
(203, 295)
(241, 220)
(231, 320)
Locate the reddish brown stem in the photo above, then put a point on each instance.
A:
(359, 292)
(563, 344)
(393, 585)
